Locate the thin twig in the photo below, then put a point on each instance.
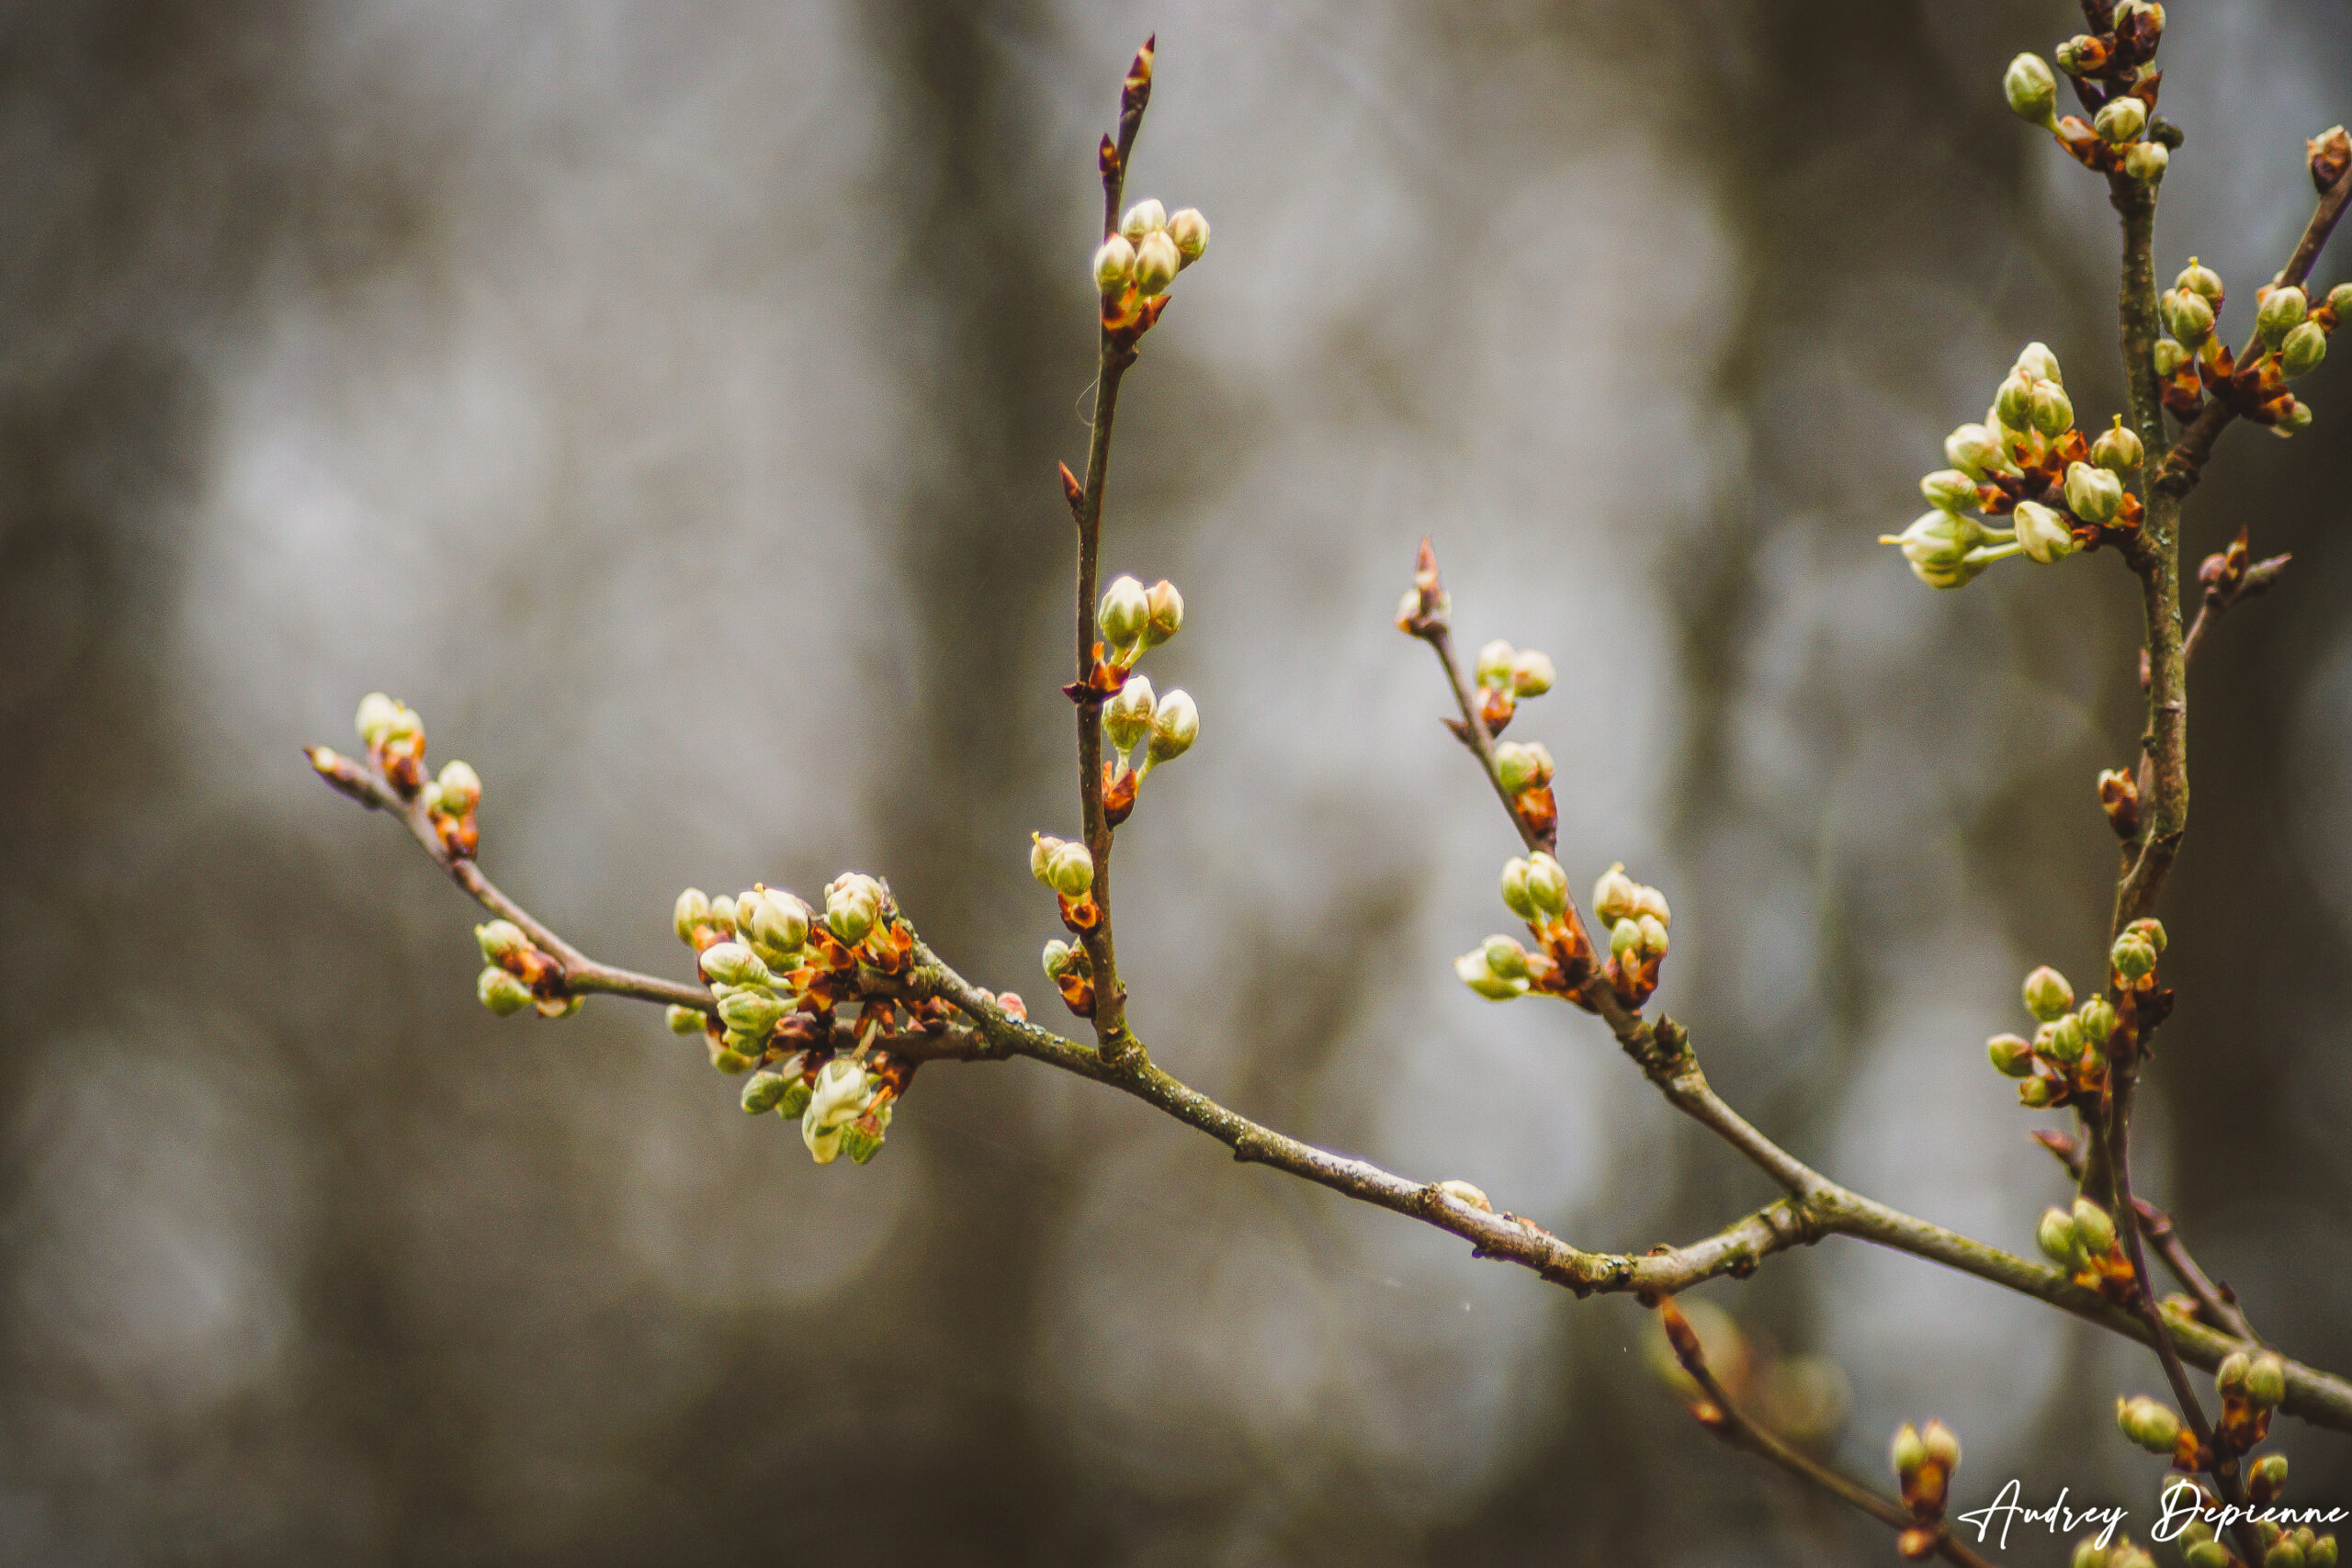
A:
(2216, 1302)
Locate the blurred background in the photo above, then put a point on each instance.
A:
(664, 398)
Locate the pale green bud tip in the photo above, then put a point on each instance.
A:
(764, 1090)
(1146, 217)
(2132, 955)
(2047, 995)
(1531, 673)
(1973, 448)
(2269, 1472)
(501, 940)
(732, 964)
(501, 993)
(1624, 937)
(1505, 957)
(751, 1012)
(1907, 1453)
(1157, 262)
(2280, 313)
(1942, 1445)
(2304, 349)
(2120, 119)
(2097, 1021)
(2043, 533)
(2167, 357)
(691, 910)
(2339, 300)
(2012, 1056)
(682, 1020)
(377, 714)
(2151, 1426)
(2188, 316)
(2266, 1381)
(1949, 489)
(2055, 1237)
(1174, 725)
(1165, 609)
(2037, 361)
(2146, 160)
(1614, 896)
(1115, 263)
(1514, 887)
(1070, 869)
(838, 1098)
(1125, 613)
(853, 903)
(2199, 278)
(2207, 1554)
(2151, 931)
(2095, 1227)
(460, 790)
(1191, 232)
(2031, 90)
(1522, 766)
(1126, 719)
(1475, 972)
(2051, 412)
(2061, 1041)
(1547, 885)
(2092, 494)
(1057, 960)
(776, 921)
(2118, 450)
(1493, 663)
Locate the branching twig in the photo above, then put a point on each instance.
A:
(2215, 1301)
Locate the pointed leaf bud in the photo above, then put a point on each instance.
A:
(2092, 494)
(2094, 1226)
(1191, 232)
(1522, 766)
(1165, 615)
(499, 941)
(2055, 1237)
(2047, 995)
(1949, 489)
(1127, 717)
(1547, 886)
(2118, 450)
(1942, 1445)
(1125, 613)
(2043, 533)
(2032, 91)
(501, 993)
(2280, 313)
(1175, 724)
(1614, 896)
(1909, 1452)
(2188, 316)
(2265, 1382)
(2145, 161)
(853, 903)
(1531, 673)
(683, 1021)
(2304, 349)
(732, 964)
(2012, 1056)
(692, 910)
(1975, 450)
(1515, 896)
(1505, 957)
(1493, 665)
(1115, 264)
(2120, 119)
(1157, 263)
(1146, 217)
(2052, 413)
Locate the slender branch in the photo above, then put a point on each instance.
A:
(2219, 598)
(2216, 1301)
(1725, 1421)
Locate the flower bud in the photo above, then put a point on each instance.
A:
(1493, 666)
(732, 964)
(2151, 1426)
(2265, 1382)
(1547, 886)
(1165, 612)
(1949, 489)
(1070, 869)
(1614, 896)
(683, 1021)
(2167, 357)
(2229, 1378)
(862, 1139)
(764, 1090)
(460, 787)
(2047, 995)
(751, 1011)
(1057, 960)
(726, 1058)
(2059, 1040)
(853, 903)
(1624, 937)
(1909, 1452)
(2208, 1553)
(722, 915)
(2132, 955)
(1146, 217)
(1157, 263)
(2120, 119)
(499, 941)
(2280, 313)
(2035, 1093)
(1653, 931)
(2032, 91)
(2094, 1226)
(1937, 541)
(1531, 673)
(2339, 300)
(1974, 449)
(377, 713)
(2037, 361)
(1515, 896)
(2188, 316)
(2013, 403)
(2199, 278)
(1474, 972)
(1522, 766)
(1505, 957)
(2092, 494)
(2297, 418)
(1941, 1445)
(1175, 724)
(2097, 1021)
(2079, 56)
(2118, 450)
(2152, 929)
(2043, 533)
(2055, 1237)
(2012, 1056)
(1127, 717)
(1191, 232)
(777, 921)
(2320, 1553)
(2304, 349)
(692, 910)
(2285, 1552)
(2267, 1475)
(501, 993)
(2052, 413)
(1125, 613)
(2145, 161)
(1115, 264)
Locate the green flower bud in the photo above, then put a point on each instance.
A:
(1115, 264)
(794, 1104)
(2092, 494)
(2284, 1553)
(2150, 929)
(2151, 1426)
(2012, 1057)
(1146, 217)
(1474, 972)
(2207, 1554)
(751, 1012)
(2079, 56)
(692, 910)
(501, 993)
(2145, 161)
(722, 915)
(2013, 403)
(1164, 613)
(2229, 1378)
(2032, 91)
(459, 787)
(732, 964)
(2035, 360)
(2280, 313)
(1125, 613)
(1175, 724)
(1547, 886)
(1937, 541)
(764, 1091)
(1505, 958)
(853, 903)
(2132, 955)
(2339, 300)
(2199, 278)
(2097, 1021)
(499, 941)
(1127, 717)
(1648, 901)
(2269, 1473)
(2188, 316)
(2320, 1553)
(2035, 1093)
(2061, 1040)
(1909, 1452)
(2094, 1227)
(1057, 960)
(1949, 489)
(1522, 766)
(1493, 665)
(2167, 357)
(727, 1058)
(1974, 449)
(1515, 898)
(683, 1021)
(2266, 1381)
(1157, 260)
(1069, 870)
(862, 1139)
(2052, 413)
(775, 921)
(1614, 896)
(2043, 533)
(2304, 349)
(2047, 995)
(1531, 673)
(377, 713)
(2297, 419)
(1624, 937)
(1653, 931)
(1191, 232)
(2055, 1237)
(2120, 119)
(2118, 450)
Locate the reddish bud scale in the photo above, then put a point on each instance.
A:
(1071, 490)
(1429, 613)
(2331, 158)
(2119, 797)
(1540, 812)
(1495, 707)
(1917, 1542)
(458, 835)
(1119, 793)
(1082, 915)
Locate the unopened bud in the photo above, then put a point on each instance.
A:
(2267, 1476)
(732, 964)
(1069, 869)
(2151, 1426)
(2061, 1041)
(1505, 957)
(2304, 349)
(1522, 766)
(2041, 533)
(1653, 931)
(1191, 232)
(1057, 960)
(1975, 450)
(2079, 56)
(2285, 1552)
(1146, 217)
(2280, 313)
(2320, 1553)
(2120, 119)
(1531, 673)
(692, 910)
(499, 941)
(1127, 717)
(2055, 1237)
(1493, 665)
(1157, 263)
(722, 915)
(777, 921)
(1949, 489)
(2031, 90)
(1515, 896)
(377, 713)
(2012, 1056)
(752, 1012)
(1650, 904)
(2229, 1378)
(2097, 1021)
(459, 789)
(2013, 403)
(1125, 611)
(764, 1090)
(2092, 494)
(2053, 412)
(2095, 1227)
(853, 903)
(683, 1021)
(1908, 1451)
(2207, 1554)
(2035, 1093)
(1942, 1444)
(2188, 316)
(501, 993)
(2152, 930)
(1473, 970)
(1547, 886)
(2199, 278)
(2118, 450)
(2296, 420)
(2047, 995)
(2145, 161)
(2265, 1382)
(1624, 937)
(1165, 612)
(1937, 541)
(1614, 896)
(862, 1139)
(2132, 955)
(1175, 724)
(2037, 361)
(1115, 264)
(2167, 357)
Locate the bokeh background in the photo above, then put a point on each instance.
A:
(663, 398)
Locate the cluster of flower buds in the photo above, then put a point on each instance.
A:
(2116, 77)
(2083, 1242)
(778, 976)
(2290, 339)
(2027, 462)
(1134, 267)
(1426, 608)
(2065, 1062)
(1924, 1461)
(1134, 620)
(1506, 675)
(517, 974)
(394, 737)
(2099, 1551)
(1536, 890)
